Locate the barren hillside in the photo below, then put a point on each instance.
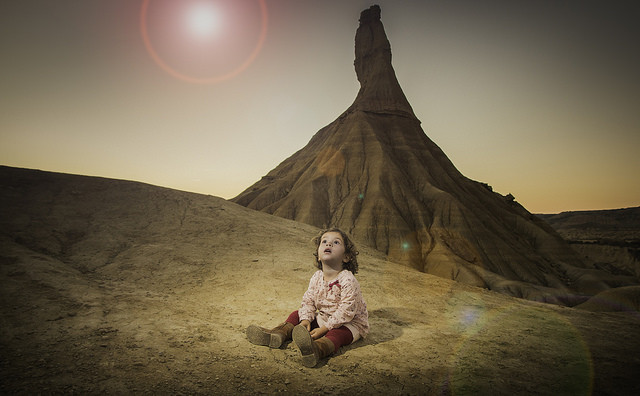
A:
(118, 287)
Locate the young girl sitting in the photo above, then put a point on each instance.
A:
(333, 312)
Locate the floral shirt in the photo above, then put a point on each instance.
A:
(336, 303)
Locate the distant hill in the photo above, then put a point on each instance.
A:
(608, 239)
(615, 225)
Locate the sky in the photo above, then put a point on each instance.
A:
(538, 98)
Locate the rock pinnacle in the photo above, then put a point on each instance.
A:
(379, 88)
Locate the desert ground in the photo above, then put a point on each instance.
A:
(116, 287)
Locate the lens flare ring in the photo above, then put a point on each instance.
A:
(207, 80)
(472, 354)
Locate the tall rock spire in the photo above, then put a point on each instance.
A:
(376, 174)
(379, 87)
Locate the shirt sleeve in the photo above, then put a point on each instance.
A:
(308, 307)
(350, 297)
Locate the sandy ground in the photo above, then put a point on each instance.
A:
(136, 289)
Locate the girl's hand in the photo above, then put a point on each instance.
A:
(319, 332)
(306, 324)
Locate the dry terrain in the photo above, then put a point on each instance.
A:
(119, 287)
(609, 239)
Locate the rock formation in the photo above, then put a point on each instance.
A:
(375, 173)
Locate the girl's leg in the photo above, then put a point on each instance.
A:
(313, 351)
(340, 337)
(294, 319)
(275, 337)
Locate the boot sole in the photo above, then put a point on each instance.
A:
(258, 336)
(303, 340)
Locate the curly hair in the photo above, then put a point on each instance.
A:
(350, 250)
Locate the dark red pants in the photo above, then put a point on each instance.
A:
(340, 336)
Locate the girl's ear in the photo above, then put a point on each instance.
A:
(347, 258)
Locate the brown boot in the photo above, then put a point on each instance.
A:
(312, 350)
(273, 338)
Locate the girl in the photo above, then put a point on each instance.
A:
(333, 312)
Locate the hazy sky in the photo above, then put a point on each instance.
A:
(537, 98)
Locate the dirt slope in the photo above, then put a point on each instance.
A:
(118, 287)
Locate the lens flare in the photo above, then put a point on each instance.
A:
(485, 353)
(331, 162)
(204, 22)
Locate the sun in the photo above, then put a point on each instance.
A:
(203, 41)
(203, 20)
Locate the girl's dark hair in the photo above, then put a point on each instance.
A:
(350, 250)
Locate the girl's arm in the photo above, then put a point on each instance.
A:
(307, 309)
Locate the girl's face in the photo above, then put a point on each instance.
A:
(332, 248)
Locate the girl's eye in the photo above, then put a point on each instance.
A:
(336, 242)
